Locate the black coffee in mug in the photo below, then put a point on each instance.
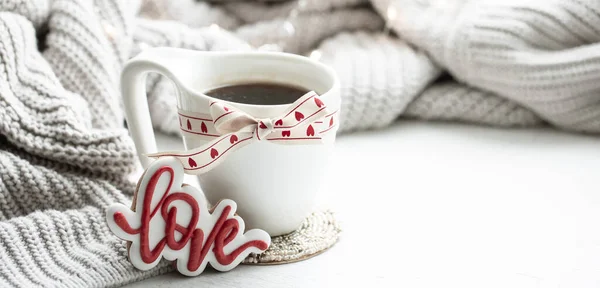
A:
(258, 93)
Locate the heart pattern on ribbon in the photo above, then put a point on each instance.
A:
(231, 129)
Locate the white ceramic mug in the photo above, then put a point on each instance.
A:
(274, 185)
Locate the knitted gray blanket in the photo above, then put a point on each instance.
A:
(65, 153)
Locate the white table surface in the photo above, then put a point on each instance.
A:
(448, 205)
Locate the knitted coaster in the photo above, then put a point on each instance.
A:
(319, 232)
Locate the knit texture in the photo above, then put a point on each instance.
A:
(452, 35)
(448, 100)
(384, 76)
(65, 153)
(543, 55)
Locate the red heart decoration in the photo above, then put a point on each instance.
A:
(203, 128)
(319, 102)
(214, 153)
(310, 131)
(225, 108)
(299, 116)
(189, 125)
(262, 125)
(279, 122)
(233, 139)
(192, 162)
(331, 122)
(286, 133)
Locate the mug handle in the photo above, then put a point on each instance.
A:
(135, 102)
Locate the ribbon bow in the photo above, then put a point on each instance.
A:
(237, 129)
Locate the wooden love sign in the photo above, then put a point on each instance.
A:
(172, 220)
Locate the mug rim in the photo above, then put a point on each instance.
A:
(257, 54)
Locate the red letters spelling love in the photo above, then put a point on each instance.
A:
(177, 225)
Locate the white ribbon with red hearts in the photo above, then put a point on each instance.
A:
(304, 122)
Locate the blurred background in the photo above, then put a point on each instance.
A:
(493, 62)
(488, 176)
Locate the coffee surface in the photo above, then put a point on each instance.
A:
(258, 93)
